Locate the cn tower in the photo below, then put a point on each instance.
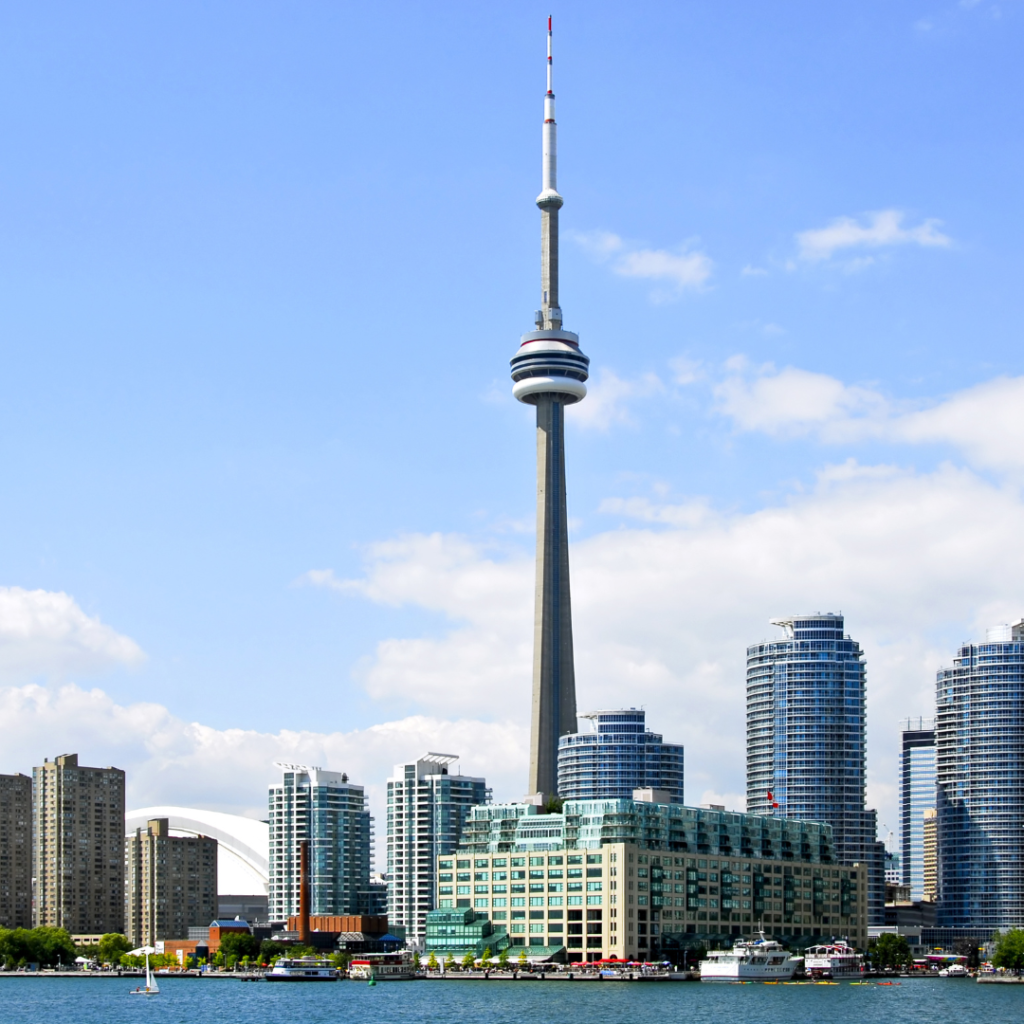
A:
(549, 371)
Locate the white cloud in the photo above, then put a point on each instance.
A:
(45, 632)
(664, 606)
(983, 421)
(883, 228)
(609, 397)
(751, 271)
(685, 371)
(791, 400)
(171, 761)
(681, 269)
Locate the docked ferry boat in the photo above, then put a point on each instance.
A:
(754, 960)
(303, 968)
(833, 960)
(383, 967)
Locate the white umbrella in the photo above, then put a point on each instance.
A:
(141, 951)
(82, 960)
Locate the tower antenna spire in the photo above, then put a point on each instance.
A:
(549, 371)
(550, 202)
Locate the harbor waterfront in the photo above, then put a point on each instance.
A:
(102, 1001)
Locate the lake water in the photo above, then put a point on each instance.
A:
(106, 1001)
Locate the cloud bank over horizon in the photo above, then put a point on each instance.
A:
(667, 595)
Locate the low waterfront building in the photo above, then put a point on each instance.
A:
(629, 878)
(462, 931)
(616, 755)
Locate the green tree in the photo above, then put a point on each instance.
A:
(891, 951)
(270, 949)
(449, 962)
(432, 962)
(44, 946)
(239, 944)
(468, 961)
(1009, 950)
(487, 957)
(112, 947)
(503, 959)
(522, 957)
(553, 805)
(341, 960)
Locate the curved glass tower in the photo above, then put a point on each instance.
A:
(806, 737)
(979, 770)
(619, 755)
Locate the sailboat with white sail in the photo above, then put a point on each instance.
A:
(152, 988)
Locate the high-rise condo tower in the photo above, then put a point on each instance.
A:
(549, 371)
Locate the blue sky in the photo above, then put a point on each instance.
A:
(262, 269)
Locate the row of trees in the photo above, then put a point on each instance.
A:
(45, 946)
(468, 962)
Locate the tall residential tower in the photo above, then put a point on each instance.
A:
(806, 738)
(979, 769)
(329, 812)
(617, 755)
(78, 846)
(427, 806)
(549, 371)
(917, 796)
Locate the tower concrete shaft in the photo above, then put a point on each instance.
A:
(554, 673)
(549, 371)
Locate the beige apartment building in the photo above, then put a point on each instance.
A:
(78, 859)
(170, 883)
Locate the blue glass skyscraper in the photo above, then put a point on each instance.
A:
(806, 738)
(917, 795)
(617, 756)
(979, 768)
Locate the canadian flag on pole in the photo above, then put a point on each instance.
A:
(771, 799)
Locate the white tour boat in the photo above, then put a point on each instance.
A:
(754, 960)
(833, 960)
(383, 967)
(303, 968)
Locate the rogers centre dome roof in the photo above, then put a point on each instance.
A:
(243, 848)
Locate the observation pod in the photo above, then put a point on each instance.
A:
(550, 362)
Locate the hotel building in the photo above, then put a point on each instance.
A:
(633, 879)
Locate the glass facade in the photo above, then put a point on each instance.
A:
(979, 768)
(325, 808)
(426, 808)
(917, 795)
(619, 754)
(806, 733)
